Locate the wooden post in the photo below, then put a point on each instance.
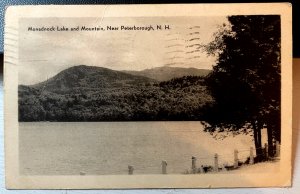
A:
(201, 170)
(130, 169)
(251, 160)
(82, 173)
(266, 151)
(164, 167)
(216, 167)
(277, 149)
(236, 159)
(194, 167)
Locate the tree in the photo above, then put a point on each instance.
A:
(245, 82)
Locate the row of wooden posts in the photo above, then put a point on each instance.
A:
(216, 160)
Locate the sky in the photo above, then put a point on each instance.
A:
(43, 54)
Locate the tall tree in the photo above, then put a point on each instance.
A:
(245, 82)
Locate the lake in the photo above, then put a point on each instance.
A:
(101, 148)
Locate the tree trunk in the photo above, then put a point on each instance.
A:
(257, 141)
(270, 141)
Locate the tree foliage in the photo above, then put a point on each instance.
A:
(245, 82)
(177, 99)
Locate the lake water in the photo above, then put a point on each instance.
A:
(99, 148)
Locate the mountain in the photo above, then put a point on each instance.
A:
(166, 73)
(88, 93)
(90, 77)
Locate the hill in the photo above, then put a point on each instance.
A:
(90, 77)
(166, 73)
(84, 93)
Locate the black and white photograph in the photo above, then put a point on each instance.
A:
(152, 95)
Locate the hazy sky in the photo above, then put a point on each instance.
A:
(44, 54)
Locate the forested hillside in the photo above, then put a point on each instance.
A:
(84, 93)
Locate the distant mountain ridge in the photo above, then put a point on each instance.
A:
(166, 73)
(89, 77)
